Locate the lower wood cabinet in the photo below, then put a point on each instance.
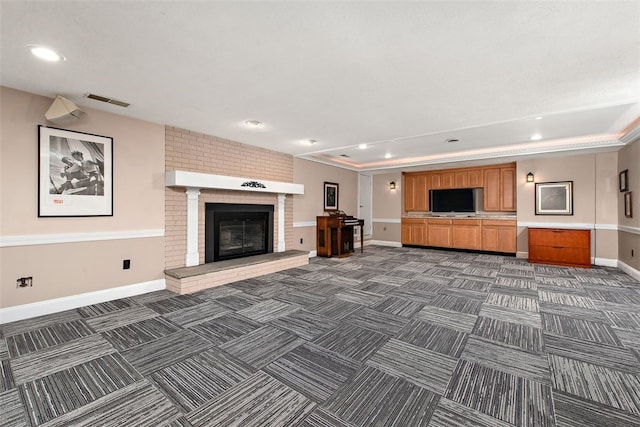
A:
(560, 246)
(499, 236)
(460, 233)
(466, 233)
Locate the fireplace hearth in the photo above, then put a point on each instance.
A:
(237, 230)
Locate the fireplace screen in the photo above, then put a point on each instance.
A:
(235, 231)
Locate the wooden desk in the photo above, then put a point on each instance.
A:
(335, 235)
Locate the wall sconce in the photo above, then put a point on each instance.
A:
(530, 177)
(392, 185)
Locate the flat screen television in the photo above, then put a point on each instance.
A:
(459, 200)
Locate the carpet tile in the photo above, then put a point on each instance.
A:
(596, 383)
(433, 337)
(390, 337)
(419, 366)
(260, 400)
(262, 346)
(192, 382)
(313, 371)
(360, 402)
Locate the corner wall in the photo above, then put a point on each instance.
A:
(387, 207)
(76, 255)
(629, 228)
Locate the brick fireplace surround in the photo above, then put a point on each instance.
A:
(204, 169)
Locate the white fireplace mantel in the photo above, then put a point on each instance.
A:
(222, 182)
(193, 182)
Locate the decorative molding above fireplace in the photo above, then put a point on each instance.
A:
(222, 182)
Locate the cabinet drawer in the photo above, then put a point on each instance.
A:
(412, 221)
(439, 221)
(559, 237)
(560, 255)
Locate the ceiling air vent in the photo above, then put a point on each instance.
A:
(107, 100)
(344, 155)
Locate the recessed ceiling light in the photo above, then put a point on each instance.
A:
(362, 146)
(45, 53)
(453, 140)
(253, 123)
(539, 118)
(536, 137)
(387, 156)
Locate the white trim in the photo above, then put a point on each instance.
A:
(301, 224)
(281, 214)
(571, 225)
(40, 308)
(606, 226)
(192, 257)
(51, 239)
(629, 270)
(606, 262)
(313, 254)
(207, 180)
(384, 243)
(628, 229)
(387, 220)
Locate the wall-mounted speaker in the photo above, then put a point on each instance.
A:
(63, 111)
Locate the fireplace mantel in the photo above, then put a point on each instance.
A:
(193, 182)
(222, 182)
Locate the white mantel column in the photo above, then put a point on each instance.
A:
(192, 257)
(281, 244)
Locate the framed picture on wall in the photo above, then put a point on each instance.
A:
(554, 198)
(628, 202)
(330, 196)
(623, 180)
(75, 173)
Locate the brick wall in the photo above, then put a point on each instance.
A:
(195, 152)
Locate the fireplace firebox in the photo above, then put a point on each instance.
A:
(237, 230)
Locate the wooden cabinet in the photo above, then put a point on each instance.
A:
(416, 192)
(439, 232)
(500, 189)
(414, 231)
(499, 235)
(466, 233)
(335, 235)
(475, 178)
(467, 178)
(442, 179)
(560, 246)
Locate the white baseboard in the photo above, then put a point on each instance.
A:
(384, 243)
(313, 254)
(524, 255)
(629, 270)
(605, 262)
(40, 308)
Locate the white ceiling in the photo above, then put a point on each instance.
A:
(402, 77)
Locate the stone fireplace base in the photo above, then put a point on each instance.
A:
(186, 280)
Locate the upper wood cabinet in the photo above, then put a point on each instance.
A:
(500, 189)
(416, 192)
(442, 179)
(475, 178)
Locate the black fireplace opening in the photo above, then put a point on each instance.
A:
(237, 230)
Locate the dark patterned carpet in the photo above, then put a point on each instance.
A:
(391, 337)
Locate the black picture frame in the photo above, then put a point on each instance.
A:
(628, 205)
(75, 173)
(554, 198)
(331, 196)
(623, 180)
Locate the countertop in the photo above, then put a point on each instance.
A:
(477, 216)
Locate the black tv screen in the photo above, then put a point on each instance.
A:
(452, 201)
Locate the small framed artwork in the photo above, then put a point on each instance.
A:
(75, 173)
(623, 180)
(628, 205)
(554, 198)
(330, 196)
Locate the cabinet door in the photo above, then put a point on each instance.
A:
(466, 234)
(492, 189)
(439, 235)
(405, 234)
(461, 179)
(507, 239)
(499, 238)
(442, 179)
(508, 189)
(409, 193)
(475, 178)
(421, 191)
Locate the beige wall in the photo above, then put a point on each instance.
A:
(307, 206)
(66, 269)
(195, 152)
(629, 235)
(594, 179)
(387, 205)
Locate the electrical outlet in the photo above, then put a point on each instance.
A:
(631, 253)
(24, 282)
(126, 264)
(301, 240)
